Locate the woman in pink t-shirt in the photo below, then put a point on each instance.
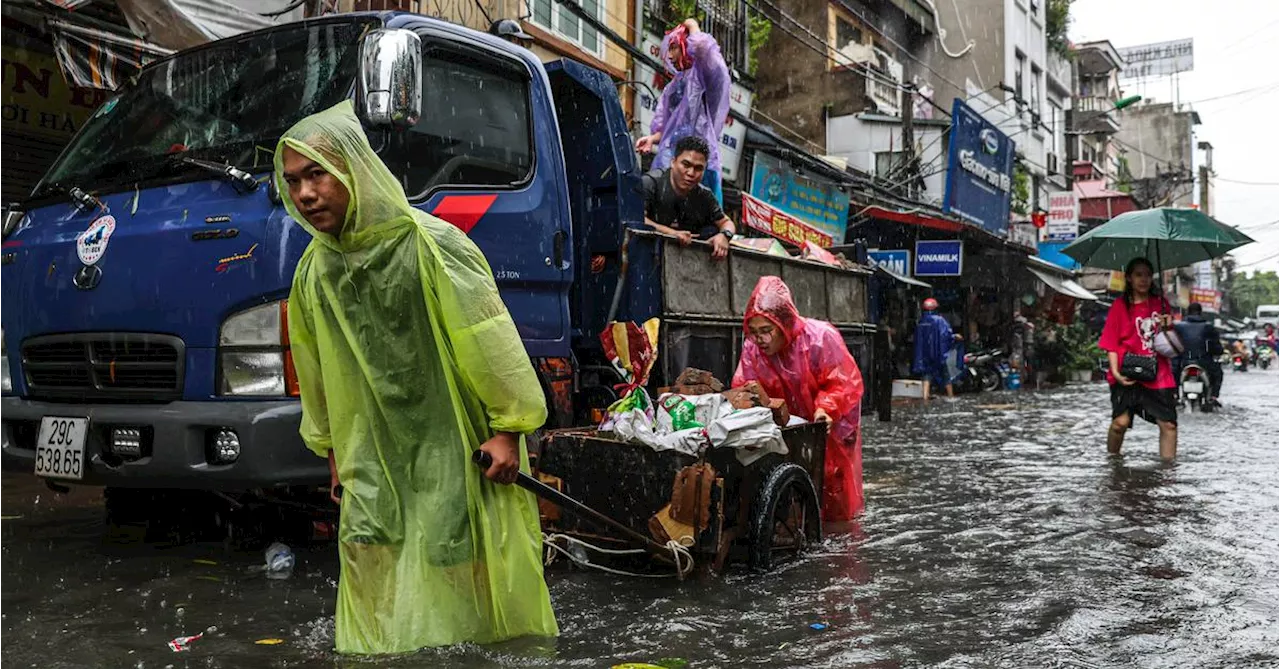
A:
(1131, 327)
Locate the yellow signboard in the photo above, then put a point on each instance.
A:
(37, 100)
(1116, 284)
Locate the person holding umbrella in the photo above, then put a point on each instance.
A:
(1138, 324)
(1129, 340)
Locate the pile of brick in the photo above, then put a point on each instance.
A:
(751, 395)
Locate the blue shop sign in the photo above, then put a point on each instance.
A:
(979, 170)
(935, 258)
(898, 261)
(814, 200)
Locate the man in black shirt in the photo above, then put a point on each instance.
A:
(677, 204)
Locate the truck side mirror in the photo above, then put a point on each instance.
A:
(390, 89)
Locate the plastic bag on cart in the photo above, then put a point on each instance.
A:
(751, 431)
(633, 421)
(706, 409)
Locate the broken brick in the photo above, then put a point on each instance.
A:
(693, 377)
(781, 413)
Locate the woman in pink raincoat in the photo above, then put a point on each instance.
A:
(806, 363)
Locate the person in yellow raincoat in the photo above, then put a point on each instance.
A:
(407, 360)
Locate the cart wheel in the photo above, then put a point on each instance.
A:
(784, 517)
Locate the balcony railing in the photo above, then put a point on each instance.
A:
(1093, 104)
(725, 20)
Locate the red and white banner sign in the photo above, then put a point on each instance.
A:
(1064, 218)
(760, 216)
(1211, 299)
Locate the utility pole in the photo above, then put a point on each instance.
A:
(909, 139)
(1206, 171)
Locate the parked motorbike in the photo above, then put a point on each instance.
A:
(982, 370)
(1265, 354)
(1194, 388)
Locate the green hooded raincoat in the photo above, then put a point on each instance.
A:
(407, 361)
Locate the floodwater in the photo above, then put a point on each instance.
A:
(997, 533)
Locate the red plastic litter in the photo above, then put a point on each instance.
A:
(183, 643)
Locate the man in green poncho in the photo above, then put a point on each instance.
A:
(407, 360)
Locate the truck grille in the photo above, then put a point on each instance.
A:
(109, 366)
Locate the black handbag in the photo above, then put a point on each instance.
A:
(1138, 367)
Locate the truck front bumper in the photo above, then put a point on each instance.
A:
(177, 436)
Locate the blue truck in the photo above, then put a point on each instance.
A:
(144, 280)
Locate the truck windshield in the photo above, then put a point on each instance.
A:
(227, 102)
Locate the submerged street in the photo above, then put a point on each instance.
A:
(997, 533)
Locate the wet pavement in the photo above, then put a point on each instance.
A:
(997, 533)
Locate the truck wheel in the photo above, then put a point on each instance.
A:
(784, 517)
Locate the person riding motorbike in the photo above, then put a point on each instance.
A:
(1203, 345)
(1240, 349)
(1266, 339)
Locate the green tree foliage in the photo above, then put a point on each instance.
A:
(1248, 291)
(758, 30)
(1021, 200)
(1057, 20)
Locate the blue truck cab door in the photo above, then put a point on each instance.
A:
(485, 156)
(604, 195)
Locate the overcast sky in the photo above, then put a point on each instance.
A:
(1235, 87)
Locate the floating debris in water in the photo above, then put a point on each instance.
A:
(183, 643)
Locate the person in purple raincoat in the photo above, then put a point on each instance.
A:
(696, 102)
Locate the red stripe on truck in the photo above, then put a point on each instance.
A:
(464, 211)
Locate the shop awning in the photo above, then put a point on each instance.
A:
(905, 279)
(1053, 277)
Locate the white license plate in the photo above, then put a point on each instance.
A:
(1193, 387)
(60, 447)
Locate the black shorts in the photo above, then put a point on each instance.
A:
(1138, 400)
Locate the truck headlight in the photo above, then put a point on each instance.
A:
(4, 362)
(253, 353)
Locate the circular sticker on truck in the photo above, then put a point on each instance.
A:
(92, 243)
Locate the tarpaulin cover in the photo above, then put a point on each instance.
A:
(93, 58)
(182, 24)
(813, 371)
(407, 361)
(933, 341)
(696, 102)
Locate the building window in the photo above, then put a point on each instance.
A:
(1034, 102)
(849, 38)
(490, 145)
(1055, 128)
(1020, 65)
(555, 17)
(889, 164)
